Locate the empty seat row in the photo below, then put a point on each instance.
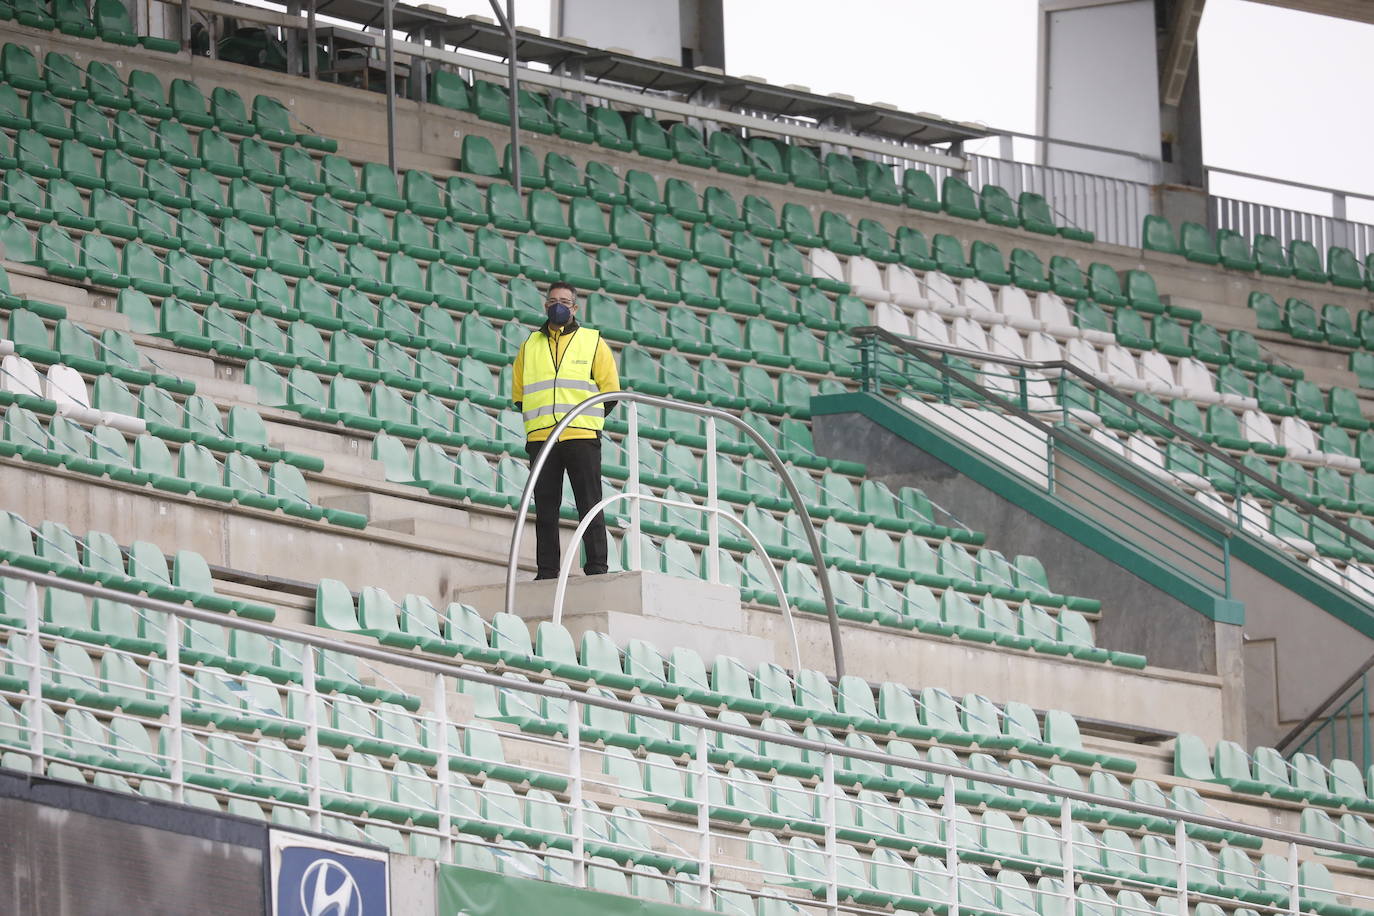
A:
(1264, 254)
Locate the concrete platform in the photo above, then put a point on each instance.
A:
(665, 610)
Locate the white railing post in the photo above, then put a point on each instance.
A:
(832, 864)
(1294, 881)
(575, 789)
(175, 684)
(1070, 878)
(312, 736)
(702, 791)
(35, 663)
(632, 557)
(947, 810)
(1181, 848)
(712, 500)
(441, 741)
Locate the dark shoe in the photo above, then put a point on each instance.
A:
(544, 575)
(595, 572)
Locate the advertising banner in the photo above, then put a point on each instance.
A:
(469, 892)
(315, 877)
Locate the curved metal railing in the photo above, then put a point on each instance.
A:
(712, 414)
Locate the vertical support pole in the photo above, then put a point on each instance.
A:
(1070, 879)
(867, 375)
(1340, 227)
(1181, 848)
(441, 741)
(633, 559)
(832, 867)
(35, 663)
(186, 28)
(1226, 564)
(388, 23)
(507, 20)
(312, 54)
(1294, 884)
(312, 735)
(951, 845)
(1364, 722)
(702, 790)
(712, 502)
(174, 706)
(575, 789)
(293, 47)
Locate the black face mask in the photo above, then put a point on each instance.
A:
(559, 314)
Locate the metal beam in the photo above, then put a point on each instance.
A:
(507, 21)
(388, 21)
(1354, 10)
(1178, 59)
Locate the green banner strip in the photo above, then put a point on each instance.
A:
(470, 892)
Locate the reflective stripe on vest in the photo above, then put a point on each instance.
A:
(550, 390)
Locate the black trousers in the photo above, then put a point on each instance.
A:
(580, 459)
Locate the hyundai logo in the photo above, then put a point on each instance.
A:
(328, 889)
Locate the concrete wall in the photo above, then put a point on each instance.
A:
(1296, 654)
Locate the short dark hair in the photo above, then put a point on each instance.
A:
(561, 284)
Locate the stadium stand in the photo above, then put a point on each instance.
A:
(255, 386)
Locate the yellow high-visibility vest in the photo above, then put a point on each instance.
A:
(552, 389)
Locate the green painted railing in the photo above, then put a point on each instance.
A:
(1084, 486)
(1044, 421)
(1339, 727)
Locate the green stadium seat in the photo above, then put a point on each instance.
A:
(1362, 364)
(570, 121)
(1235, 252)
(804, 168)
(649, 138)
(1066, 278)
(1104, 285)
(1271, 258)
(997, 207)
(1028, 271)
(958, 199)
(609, 127)
(987, 264)
(1197, 244)
(1343, 269)
(766, 160)
(1306, 261)
(1036, 216)
(949, 256)
(688, 146)
(1300, 320)
(879, 182)
(530, 174)
(490, 101)
(1158, 235)
(1338, 327)
(1141, 292)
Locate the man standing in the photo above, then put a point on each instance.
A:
(559, 366)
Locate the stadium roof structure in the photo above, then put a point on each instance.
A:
(705, 84)
(1355, 10)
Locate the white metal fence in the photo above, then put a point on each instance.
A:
(646, 795)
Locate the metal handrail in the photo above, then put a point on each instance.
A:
(570, 552)
(813, 539)
(919, 349)
(1049, 430)
(456, 669)
(1320, 709)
